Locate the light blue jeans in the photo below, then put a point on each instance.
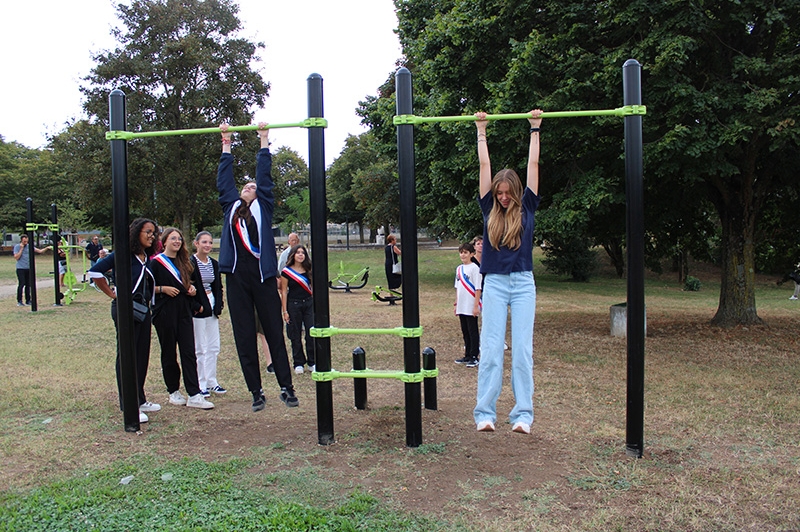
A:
(517, 291)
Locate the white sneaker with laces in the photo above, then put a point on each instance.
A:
(147, 406)
(522, 428)
(143, 417)
(198, 401)
(177, 398)
(298, 370)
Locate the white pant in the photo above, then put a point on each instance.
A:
(206, 346)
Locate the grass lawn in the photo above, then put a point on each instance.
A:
(722, 423)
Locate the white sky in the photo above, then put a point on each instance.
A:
(47, 47)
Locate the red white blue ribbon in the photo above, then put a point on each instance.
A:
(168, 265)
(244, 235)
(299, 278)
(467, 284)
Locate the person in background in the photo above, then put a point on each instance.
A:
(93, 250)
(508, 227)
(477, 243)
(24, 269)
(298, 306)
(468, 304)
(142, 234)
(392, 256)
(172, 318)
(251, 276)
(795, 276)
(208, 306)
(293, 239)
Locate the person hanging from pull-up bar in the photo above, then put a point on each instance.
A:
(507, 266)
(250, 273)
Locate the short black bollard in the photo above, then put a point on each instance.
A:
(360, 384)
(429, 383)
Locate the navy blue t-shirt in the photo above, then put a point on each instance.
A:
(504, 260)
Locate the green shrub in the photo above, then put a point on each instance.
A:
(692, 284)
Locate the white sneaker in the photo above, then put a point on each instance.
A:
(298, 370)
(793, 298)
(485, 426)
(313, 368)
(177, 398)
(198, 401)
(505, 346)
(522, 428)
(147, 406)
(143, 417)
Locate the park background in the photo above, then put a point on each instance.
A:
(721, 143)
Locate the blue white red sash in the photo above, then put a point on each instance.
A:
(168, 265)
(244, 235)
(299, 278)
(467, 284)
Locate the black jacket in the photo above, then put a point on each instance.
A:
(201, 299)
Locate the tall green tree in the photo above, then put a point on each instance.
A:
(182, 65)
(720, 82)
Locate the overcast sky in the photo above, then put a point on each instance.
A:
(47, 47)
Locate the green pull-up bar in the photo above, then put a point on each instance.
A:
(619, 111)
(327, 332)
(128, 135)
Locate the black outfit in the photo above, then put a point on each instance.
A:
(300, 307)
(252, 281)
(472, 337)
(394, 279)
(172, 318)
(201, 299)
(143, 283)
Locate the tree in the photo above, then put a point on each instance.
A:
(359, 153)
(720, 83)
(181, 66)
(290, 174)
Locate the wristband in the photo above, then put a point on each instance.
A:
(534, 130)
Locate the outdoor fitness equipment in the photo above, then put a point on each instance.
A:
(70, 280)
(632, 113)
(31, 229)
(392, 295)
(346, 281)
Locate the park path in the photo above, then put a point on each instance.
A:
(44, 289)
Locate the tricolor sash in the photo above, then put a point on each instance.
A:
(167, 263)
(244, 235)
(467, 284)
(299, 278)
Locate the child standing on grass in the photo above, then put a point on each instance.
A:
(468, 303)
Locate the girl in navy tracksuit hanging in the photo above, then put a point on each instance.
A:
(298, 306)
(247, 257)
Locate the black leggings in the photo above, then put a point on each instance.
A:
(141, 346)
(23, 281)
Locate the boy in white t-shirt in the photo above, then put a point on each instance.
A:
(468, 304)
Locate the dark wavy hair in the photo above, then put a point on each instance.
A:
(182, 260)
(133, 231)
(306, 264)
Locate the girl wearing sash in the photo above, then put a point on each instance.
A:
(251, 276)
(172, 318)
(507, 268)
(468, 304)
(298, 306)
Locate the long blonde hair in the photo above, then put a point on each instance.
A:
(504, 227)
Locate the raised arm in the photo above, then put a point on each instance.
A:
(226, 186)
(485, 172)
(533, 151)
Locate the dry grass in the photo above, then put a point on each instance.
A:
(722, 429)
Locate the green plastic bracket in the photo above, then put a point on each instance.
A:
(327, 376)
(35, 227)
(327, 332)
(128, 135)
(627, 110)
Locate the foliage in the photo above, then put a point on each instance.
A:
(290, 174)
(182, 65)
(692, 284)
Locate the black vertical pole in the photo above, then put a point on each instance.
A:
(319, 252)
(360, 385)
(122, 262)
(31, 256)
(634, 185)
(408, 234)
(429, 383)
(55, 240)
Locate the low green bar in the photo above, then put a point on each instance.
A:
(405, 332)
(619, 111)
(128, 135)
(325, 376)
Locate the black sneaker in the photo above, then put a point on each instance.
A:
(462, 360)
(259, 401)
(288, 397)
(472, 363)
(270, 369)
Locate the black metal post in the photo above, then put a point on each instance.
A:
(429, 383)
(634, 185)
(408, 235)
(55, 240)
(122, 263)
(319, 251)
(360, 384)
(31, 256)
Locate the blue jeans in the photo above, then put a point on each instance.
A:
(518, 291)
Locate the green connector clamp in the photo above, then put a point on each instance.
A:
(315, 122)
(401, 120)
(403, 332)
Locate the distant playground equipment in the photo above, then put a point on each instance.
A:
(386, 295)
(73, 286)
(347, 281)
(31, 228)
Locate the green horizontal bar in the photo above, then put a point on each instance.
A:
(619, 111)
(325, 376)
(326, 332)
(35, 227)
(128, 135)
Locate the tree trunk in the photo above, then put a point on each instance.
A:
(616, 253)
(737, 298)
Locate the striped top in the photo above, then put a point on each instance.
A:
(206, 270)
